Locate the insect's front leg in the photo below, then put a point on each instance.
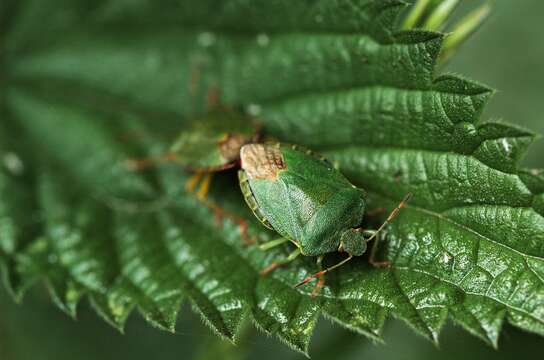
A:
(272, 244)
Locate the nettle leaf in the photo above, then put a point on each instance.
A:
(333, 75)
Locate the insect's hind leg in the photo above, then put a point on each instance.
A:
(321, 279)
(221, 214)
(205, 181)
(192, 183)
(278, 263)
(204, 188)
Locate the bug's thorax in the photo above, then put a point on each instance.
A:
(262, 161)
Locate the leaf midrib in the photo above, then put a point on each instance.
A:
(466, 228)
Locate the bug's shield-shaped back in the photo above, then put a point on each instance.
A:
(302, 197)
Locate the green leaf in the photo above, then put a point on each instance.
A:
(333, 75)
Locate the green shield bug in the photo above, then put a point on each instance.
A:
(210, 144)
(213, 144)
(308, 202)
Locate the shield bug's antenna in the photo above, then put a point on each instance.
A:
(391, 216)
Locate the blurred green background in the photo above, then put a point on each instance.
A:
(507, 54)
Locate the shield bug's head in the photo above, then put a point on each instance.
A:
(352, 238)
(231, 143)
(213, 142)
(353, 242)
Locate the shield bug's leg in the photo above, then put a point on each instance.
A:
(143, 164)
(277, 264)
(221, 214)
(272, 244)
(243, 226)
(204, 187)
(322, 272)
(213, 98)
(195, 79)
(375, 234)
(321, 280)
(193, 181)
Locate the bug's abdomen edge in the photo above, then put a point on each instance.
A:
(250, 199)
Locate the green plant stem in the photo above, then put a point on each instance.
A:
(439, 16)
(415, 15)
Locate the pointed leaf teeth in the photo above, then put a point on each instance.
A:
(66, 300)
(499, 129)
(17, 289)
(465, 319)
(538, 204)
(410, 314)
(433, 38)
(526, 323)
(99, 303)
(458, 84)
(282, 311)
(301, 348)
(227, 332)
(388, 14)
(363, 317)
(491, 320)
(372, 334)
(158, 319)
(427, 48)
(450, 107)
(534, 179)
(7, 280)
